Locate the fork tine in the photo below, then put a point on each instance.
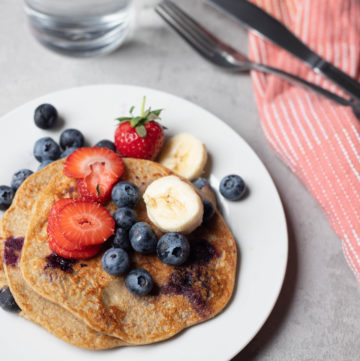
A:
(189, 36)
(196, 27)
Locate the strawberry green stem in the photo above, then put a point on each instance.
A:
(143, 107)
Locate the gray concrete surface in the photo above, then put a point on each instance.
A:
(316, 317)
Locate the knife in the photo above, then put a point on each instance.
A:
(265, 25)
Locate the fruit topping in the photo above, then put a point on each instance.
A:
(200, 182)
(7, 301)
(173, 205)
(84, 253)
(173, 249)
(6, 197)
(139, 282)
(67, 152)
(185, 155)
(44, 163)
(125, 194)
(45, 116)
(80, 163)
(46, 149)
(124, 217)
(232, 187)
(209, 210)
(70, 138)
(86, 223)
(143, 238)
(19, 177)
(105, 143)
(115, 261)
(121, 239)
(141, 136)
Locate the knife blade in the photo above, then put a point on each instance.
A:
(256, 19)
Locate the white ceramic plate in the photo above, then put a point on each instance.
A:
(257, 222)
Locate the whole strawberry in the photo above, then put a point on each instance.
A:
(141, 136)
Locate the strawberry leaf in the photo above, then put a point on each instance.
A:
(141, 130)
(131, 109)
(135, 121)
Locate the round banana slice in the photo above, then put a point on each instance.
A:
(185, 155)
(173, 205)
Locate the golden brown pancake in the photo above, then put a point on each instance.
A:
(183, 296)
(34, 307)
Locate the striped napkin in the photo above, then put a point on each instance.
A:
(317, 139)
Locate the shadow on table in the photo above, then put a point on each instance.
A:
(279, 313)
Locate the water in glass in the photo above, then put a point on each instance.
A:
(80, 27)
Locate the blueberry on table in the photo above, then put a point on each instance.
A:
(19, 177)
(67, 152)
(200, 182)
(121, 239)
(143, 238)
(105, 143)
(125, 194)
(43, 164)
(6, 197)
(209, 210)
(232, 187)
(124, 217)
(71, 138)
(139, 282)
(45, 116)
(7, 301)
(173, 248)
(115, 261)
(46, 149)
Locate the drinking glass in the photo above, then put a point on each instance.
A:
(81, 28)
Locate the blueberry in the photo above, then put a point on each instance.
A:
(232, 187)
(19, 177)
(106, 144)
(45, 116)
(71, 138)
(209, 210)
(6, 197)
(46, 149)
(143, 238)
(44, 163)
(173, 249)
(139, 282)
(7, 301)
(121, 239)
(67, 152)
(124, 217)
(200, 182)
(115, 261)
(125, 194)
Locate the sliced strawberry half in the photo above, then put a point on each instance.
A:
(79, 163)
(85, 253)
(97, 185)
(86, 223)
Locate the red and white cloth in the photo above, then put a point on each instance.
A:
(317, 139)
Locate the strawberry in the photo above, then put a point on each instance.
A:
(53, 230)
(81, 162)
(97, 185)
(96, 169)
(140, 137)
(85, 253)
(86, 223)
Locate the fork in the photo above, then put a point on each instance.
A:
(224, 56)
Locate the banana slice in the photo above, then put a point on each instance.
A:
(185, 155)
(173, 205)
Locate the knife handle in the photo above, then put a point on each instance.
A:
(344, 81)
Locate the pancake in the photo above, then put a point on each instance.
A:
(3, 281)
(49, 315)
(183, 296)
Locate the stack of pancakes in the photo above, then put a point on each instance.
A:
(79, 302)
